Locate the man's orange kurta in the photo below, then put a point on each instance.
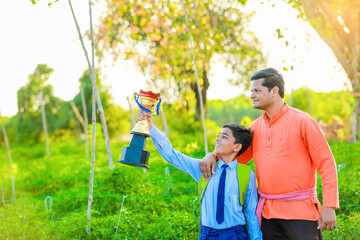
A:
(287, 151)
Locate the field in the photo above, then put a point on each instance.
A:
(129, 203)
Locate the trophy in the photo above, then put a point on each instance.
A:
(147, 100)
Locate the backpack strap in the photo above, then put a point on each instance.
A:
(243, 176)
(202, 186)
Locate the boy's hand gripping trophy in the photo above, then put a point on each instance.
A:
(147, 100)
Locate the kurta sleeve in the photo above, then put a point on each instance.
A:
(324, 161)
(246, 156)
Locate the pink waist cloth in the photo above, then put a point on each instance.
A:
(292, 196)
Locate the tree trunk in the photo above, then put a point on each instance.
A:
(197, 78)
(43, 115)
(345, 45)
(204, 89)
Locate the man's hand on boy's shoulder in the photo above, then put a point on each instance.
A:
(208, 165)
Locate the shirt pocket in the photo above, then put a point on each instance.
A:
(234, 199)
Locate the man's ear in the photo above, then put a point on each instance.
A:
(275, 90)
(237, 147)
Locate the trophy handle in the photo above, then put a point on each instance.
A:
(158, 106)
(136, 97)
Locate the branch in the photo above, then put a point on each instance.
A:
(334, 42)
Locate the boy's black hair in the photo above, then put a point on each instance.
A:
(241, 134)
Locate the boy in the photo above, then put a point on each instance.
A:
(222, 216)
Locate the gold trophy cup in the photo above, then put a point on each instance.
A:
(147, 100)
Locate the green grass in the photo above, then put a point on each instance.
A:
(156, 206)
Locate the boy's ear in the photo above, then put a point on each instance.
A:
(237, 147)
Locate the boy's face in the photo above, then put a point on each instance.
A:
(225, 143)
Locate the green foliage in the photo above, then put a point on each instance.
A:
(219, 29)
(336, 22)
(347, 228)
(330, 108)
(27, 127)
(157, 206)
(24, 221)
(237, 110)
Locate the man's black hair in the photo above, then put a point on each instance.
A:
(241, 134)
(272, 78)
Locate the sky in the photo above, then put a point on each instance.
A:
(34, 34)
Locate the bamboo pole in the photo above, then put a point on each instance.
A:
(10, 161)
(85, 122)
(353, 126)
(197, 78)
(291, 97)
(310, 104)
(13, 190)
(77, 113)
(43, 114)
(98, 100)
(131, 111)
(94, 91)
(6, 143)
(91, 187)
(166, 129)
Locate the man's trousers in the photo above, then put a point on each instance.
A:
(281, 229)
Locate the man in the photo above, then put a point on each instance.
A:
(222, 215)
(288, 145)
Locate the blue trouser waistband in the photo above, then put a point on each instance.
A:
(226, 233)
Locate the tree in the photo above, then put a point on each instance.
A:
(29, 104)
(219, 30)
(338, 24)
(117, 118)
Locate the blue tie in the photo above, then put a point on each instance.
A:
(220, 197)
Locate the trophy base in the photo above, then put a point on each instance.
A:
(141, 128)
(140, 133)
(134, 157)
(135, 154)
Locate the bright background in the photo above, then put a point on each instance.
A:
(39, 34)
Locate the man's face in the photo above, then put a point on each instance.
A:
(260, 95)
(225, 142)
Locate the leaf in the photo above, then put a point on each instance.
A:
(278, 31)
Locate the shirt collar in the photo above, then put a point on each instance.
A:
(230, 164)
(277, 115)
